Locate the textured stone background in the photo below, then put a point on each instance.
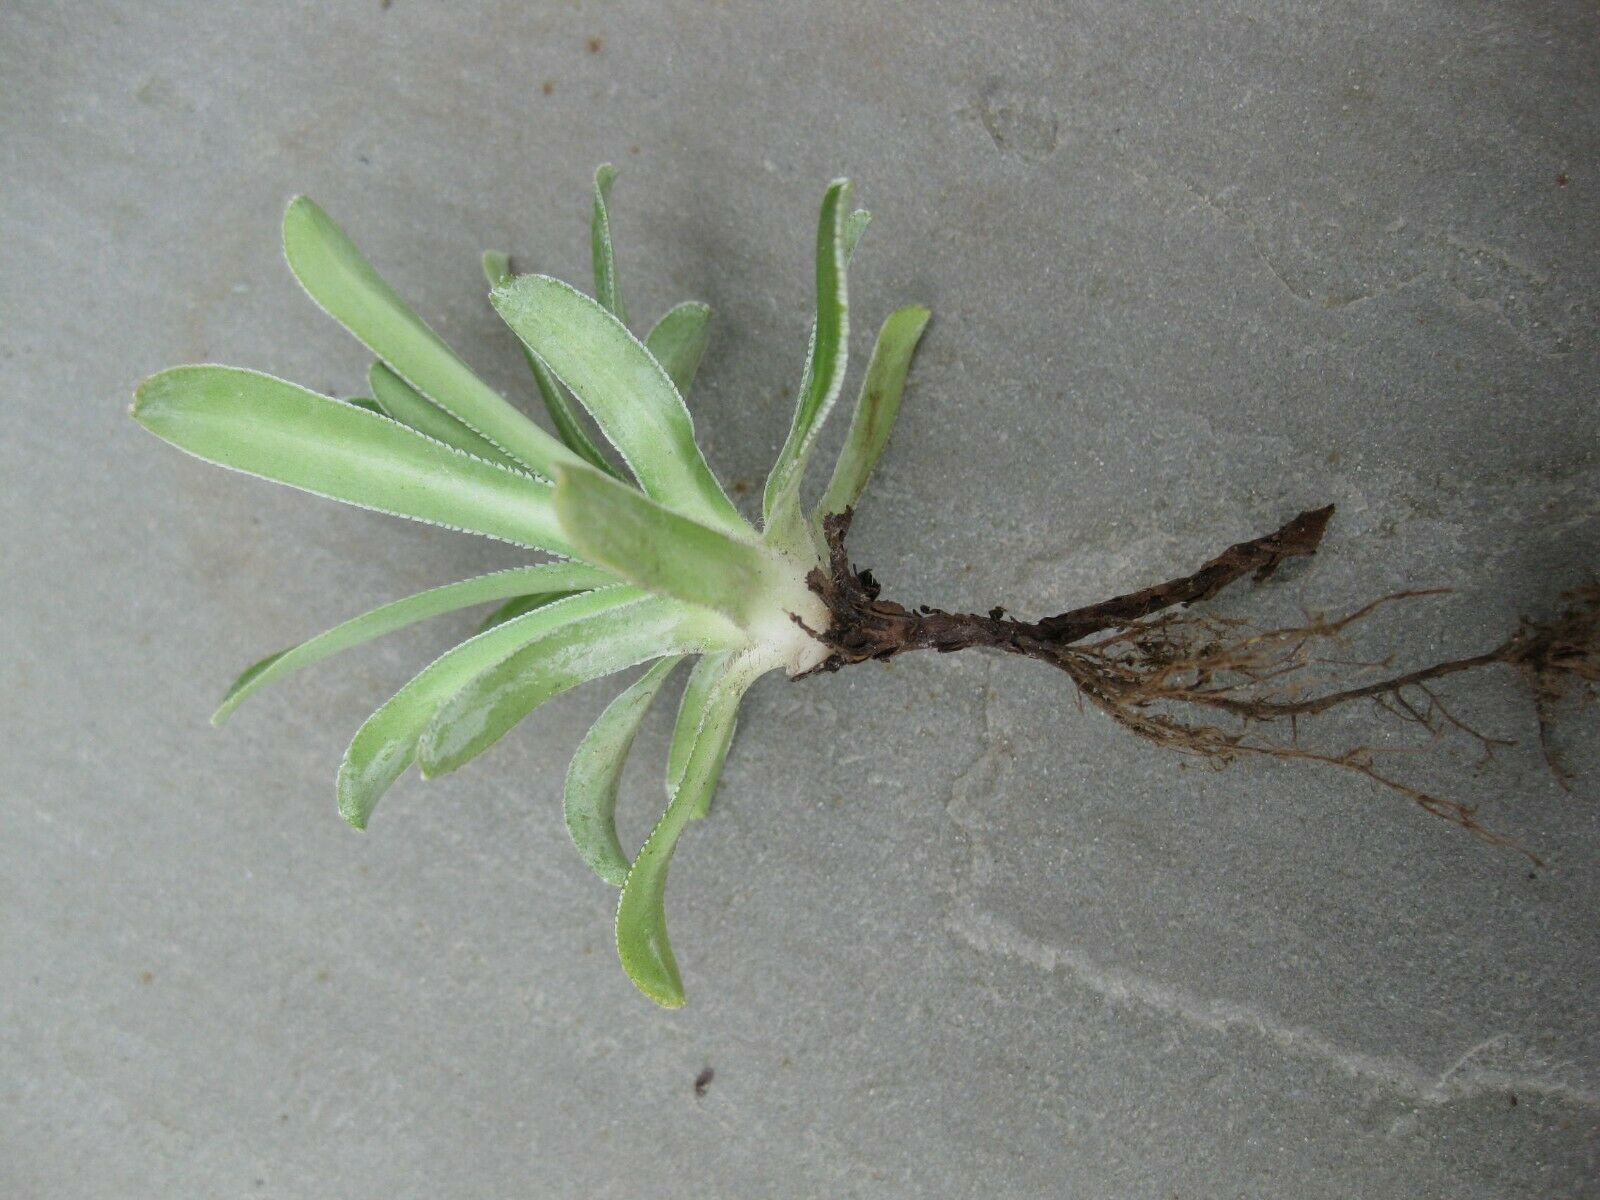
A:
(1194, 267)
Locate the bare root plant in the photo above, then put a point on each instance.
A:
(646, 559)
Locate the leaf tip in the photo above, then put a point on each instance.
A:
(354, 806)
(148, 397)
(496, 267)
(301, 208)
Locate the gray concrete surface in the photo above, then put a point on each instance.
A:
(1193, 268)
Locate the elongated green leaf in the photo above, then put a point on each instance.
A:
(489, 706)
(606, 288)
(826, 359)
(275, 430)
(517, 605)
(398, 399)
(642, 942)
(626, 390)
(590, 798)
(678, 341)
(340, 279)
(548, 579)
(497, 269)
(876, 408)
(386, 744)
(706, 682)
(642, 542)
(691, 709)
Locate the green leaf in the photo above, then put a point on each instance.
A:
(642, 942)
(639, 540)
(518, 605)
(691, 708)
(606, 288)
(386, 744)
(699, 697)
(344, 284)
(398, 399)
(590, 798)
(876, 408)
(626, 390)
(678, 341)
(549, 579)
(497, 269)
(275, 430)
(367, 403)
(488, 707)
(825, 361)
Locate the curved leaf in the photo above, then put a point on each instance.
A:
(642, 942)
(487, 708)
(678, 340)
(399, 400)
(338, 277)
(275, 430)
(606, 288)
(876, 408)
(386, 744)
(626, 390)
(825, 360)
(551, 579)
(691, 710)
(497, 269)
(699, 697)
(589, 800)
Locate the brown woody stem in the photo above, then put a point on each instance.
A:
(865, 626)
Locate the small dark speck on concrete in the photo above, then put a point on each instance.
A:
(547, 86)
(1562, 181)
(1513, 1099)
(147, 977)
(594, 45)
(702, 1081)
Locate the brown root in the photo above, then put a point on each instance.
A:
(1219, 688)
